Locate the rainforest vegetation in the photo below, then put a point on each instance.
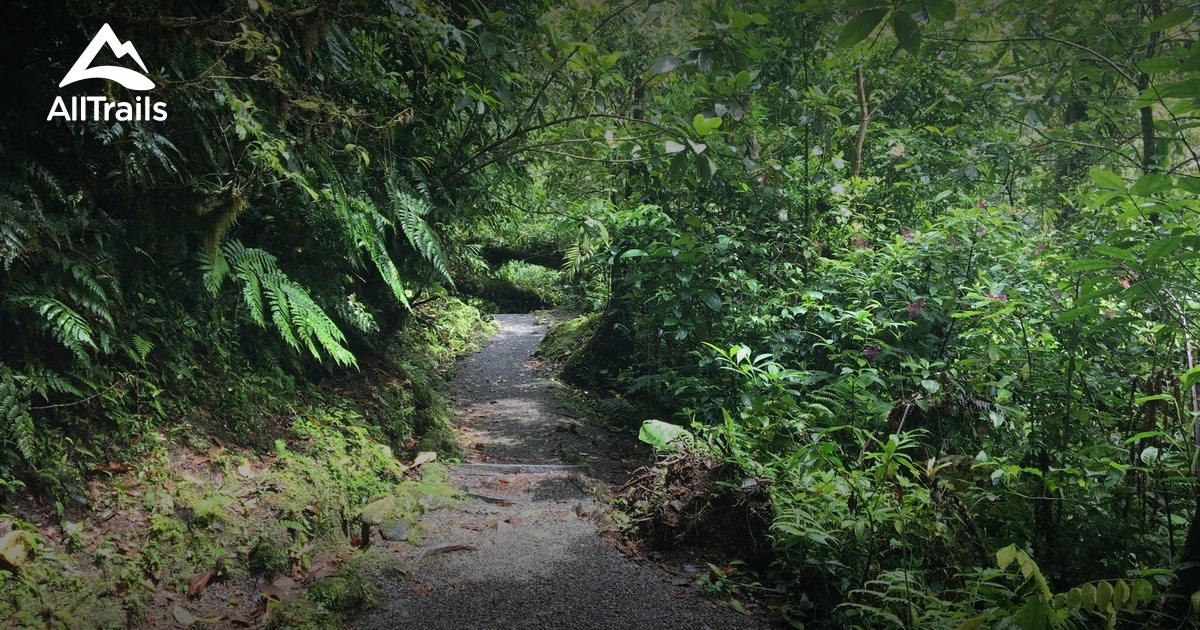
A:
(916, 283)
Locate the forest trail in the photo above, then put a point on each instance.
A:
(524, 550)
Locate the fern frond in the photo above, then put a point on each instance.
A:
(411, 211)
(367, 230)
(298, 319)
(62, 322)
(357, 315)
(572, 262)
(41, 381)
(84, 288)
(216, 269)
(16, 425)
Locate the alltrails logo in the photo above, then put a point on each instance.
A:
(99, 107)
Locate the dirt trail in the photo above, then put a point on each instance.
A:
(524, 551)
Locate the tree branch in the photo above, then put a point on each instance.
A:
(862, 125)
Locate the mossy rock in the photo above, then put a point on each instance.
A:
(15, 548)
(377, 511)
(395, 530)
(605, 352)
(564, 339)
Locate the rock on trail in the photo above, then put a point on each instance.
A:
(524, 551)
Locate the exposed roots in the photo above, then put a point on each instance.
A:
(695, 501)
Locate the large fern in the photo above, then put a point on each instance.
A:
(366, 229)
(25, 188)
(68, 303)
(268, 293)
(18, 431)
(410, 210)
(16, 425)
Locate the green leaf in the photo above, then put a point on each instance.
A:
(706, 167)
(710, 299)
(1115, 252)
(633, 253)
(665, 64)
(664, 436)
(1032, 616)
(1143, 591)
(1006, 556)
(907, 32)
(1090, 264)
(678, 164)
(943, 10)
(1104, 593)
(1169, 19)
(1187, 88)
(1189, 183)
(1105, 178)
(1147, 98)
(858, 28)
(490, 43)
(1144, 435)
(1159, 65)
(1151, 183)
(704, 125)
(1190, 377)
(742, 81)
(1163, 247)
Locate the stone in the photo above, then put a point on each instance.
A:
(394, 531)
(14, 549)
(374, 512)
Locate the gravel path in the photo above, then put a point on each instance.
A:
(525, 550)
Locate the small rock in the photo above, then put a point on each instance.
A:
(14, 549)
(374, 512)
(394, 531)
(424, 457)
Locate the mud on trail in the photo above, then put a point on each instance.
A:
(524, 547)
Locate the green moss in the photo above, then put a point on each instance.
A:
(342, 593)
(566, 338)
(302, 614)
(314, 461)
(268, 556)
(422, 357)
(44, 594)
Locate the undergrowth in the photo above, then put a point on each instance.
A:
(250, 512)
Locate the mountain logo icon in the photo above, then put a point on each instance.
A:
(129, 78)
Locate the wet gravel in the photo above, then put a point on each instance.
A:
(525, 550)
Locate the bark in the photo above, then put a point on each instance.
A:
(862, 125)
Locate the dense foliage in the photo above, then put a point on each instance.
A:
(281, 223)
(925, 271)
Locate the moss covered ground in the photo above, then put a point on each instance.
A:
(202, 526)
